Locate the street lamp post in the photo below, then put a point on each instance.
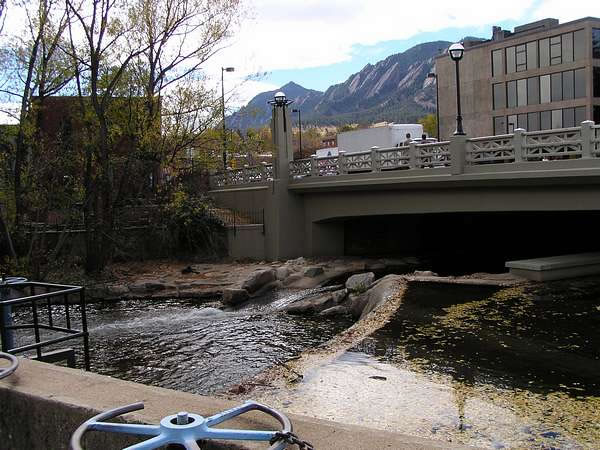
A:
(437, 102)
(223, 70)
(456, 53)
(300, 130)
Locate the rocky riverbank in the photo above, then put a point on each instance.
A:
(235, 281)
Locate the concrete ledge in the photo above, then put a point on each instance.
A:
(42, 404)
(556, 267)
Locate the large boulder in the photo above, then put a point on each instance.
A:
(292, 279)
(313, 271)
(258, 280)
(311, 305)
(234, 297)
(282, 272)
(360, 282)
(339, 296)
(363, 304)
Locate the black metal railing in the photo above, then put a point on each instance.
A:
(235, 218)
(52, 295)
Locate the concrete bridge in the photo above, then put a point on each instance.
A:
(307, 202)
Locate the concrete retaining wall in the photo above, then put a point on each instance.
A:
(42, 404)
(246, 241)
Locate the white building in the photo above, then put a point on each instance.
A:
(387, 136)
(392, 135)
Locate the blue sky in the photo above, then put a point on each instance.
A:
(318, 43)
(320, 78)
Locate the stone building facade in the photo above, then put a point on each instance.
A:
(543, 75)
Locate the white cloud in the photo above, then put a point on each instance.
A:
(242, 91)
(566, 11)
(296, 34)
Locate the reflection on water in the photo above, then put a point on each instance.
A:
(196, 347)
(512, 368)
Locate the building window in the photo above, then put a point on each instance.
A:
(511, 91)
(499, 125)
(545, 120)
(532, 52)
(568, 117)
(545, 89)
(521, 58)
(510, 60)
(497, 68)
(544, 52)
(579, 46)
(522, 121)
(533, 91)
(522, 92)
(596, 43)
(512, 123)
(567, 85)
(596, 81)
(567, 47)
(556, 80)
(533, 121)
(579, 115)
(499, 96)
(555, 51)
(579, 82)
(557, 118)
(596, 113)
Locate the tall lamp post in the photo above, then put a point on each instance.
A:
(300, 129)
(223, 70)
(456, 53)
(437, 102)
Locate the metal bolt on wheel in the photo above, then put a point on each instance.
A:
(186, 428)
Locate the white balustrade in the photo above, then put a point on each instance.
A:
(358, 162)
(327, 166)
(300, 168)
(518, 147)
(595, 141)
(564, 143)
(436, 154)
(490, 150)
(394, 158)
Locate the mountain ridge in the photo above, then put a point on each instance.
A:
(395, 89)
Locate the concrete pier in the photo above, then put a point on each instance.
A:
(556, 267)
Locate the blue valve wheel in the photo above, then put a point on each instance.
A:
(14, 363)
(184, 428)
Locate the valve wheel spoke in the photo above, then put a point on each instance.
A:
(149, 444)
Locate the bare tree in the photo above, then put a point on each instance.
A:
(102, 58)
(180, 36)
(35, 67)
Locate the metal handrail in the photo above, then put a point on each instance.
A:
(34, 301)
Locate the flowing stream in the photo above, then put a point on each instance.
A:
(197, 347)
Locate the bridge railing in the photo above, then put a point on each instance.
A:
(518, 147)
(244, 175)
(490, 150)
(595, 141)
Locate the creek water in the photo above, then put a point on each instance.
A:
(494, 368)
(509, 368)
(195, 347)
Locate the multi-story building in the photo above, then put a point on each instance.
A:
(543, 75)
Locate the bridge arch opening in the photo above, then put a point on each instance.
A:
(459, 243)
